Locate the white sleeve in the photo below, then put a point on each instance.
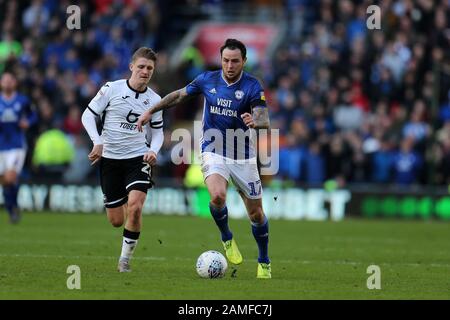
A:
(157, 120)
(156, 138)
(88, 120)
(99, 103)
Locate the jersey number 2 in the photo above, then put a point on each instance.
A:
(146, 169)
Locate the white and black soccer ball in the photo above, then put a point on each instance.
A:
(211, 264)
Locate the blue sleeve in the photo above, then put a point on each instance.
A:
(257, 97)
(197, 85)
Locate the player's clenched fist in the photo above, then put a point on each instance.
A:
(143, 119)
(150, 158)
(248, 120)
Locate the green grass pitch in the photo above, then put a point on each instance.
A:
(310, 260)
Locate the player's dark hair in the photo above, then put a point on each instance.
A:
(234, 44)
(144, 52)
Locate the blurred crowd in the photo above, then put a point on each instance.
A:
(62, 69)
(358, 105)
(353, 105)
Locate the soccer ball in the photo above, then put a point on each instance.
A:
(211, 264)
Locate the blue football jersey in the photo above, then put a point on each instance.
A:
(223, 106)
(11, 112)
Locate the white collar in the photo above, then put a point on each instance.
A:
(10, 99)
(230, 84)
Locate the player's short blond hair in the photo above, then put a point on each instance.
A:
(144, 52)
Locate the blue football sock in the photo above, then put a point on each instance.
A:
(10, 196)
(261, 234)
(220, 216)
(14, 195)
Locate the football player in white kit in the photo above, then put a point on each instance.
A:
(126, 155)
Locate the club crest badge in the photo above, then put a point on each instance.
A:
(239, 94)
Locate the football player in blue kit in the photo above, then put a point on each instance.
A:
(15, 117)
(233, 101)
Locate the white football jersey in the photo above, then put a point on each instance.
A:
(120, 107)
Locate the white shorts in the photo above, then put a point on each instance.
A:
(244, 173)
(12, 160)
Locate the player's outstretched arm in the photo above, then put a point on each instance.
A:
(170, 100)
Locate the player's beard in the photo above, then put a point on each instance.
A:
(234, 77)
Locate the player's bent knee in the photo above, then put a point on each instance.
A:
(218, 199)
(116, 216)
(116, 222)
(10, 177)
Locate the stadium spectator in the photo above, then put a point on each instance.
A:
(9, 48)
(36, 17)
(407, 163)
(444, 112)
(52, 154)
(72, 124)
(382, 163)
(292, 155)
(315, 165)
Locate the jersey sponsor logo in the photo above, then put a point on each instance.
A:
(132, 117)
(224, 102)
(146, 102)
(128, 126)
(213, 91)
(239, 94)
(223, 112)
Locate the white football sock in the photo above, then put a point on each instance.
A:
(128, 247)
